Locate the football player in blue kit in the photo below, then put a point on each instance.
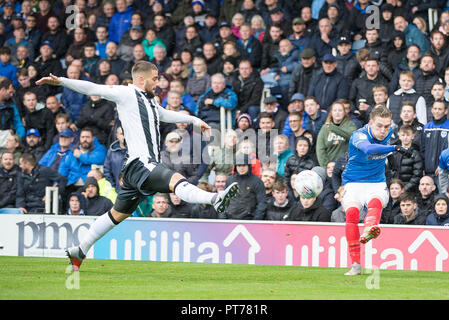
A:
(365, 182)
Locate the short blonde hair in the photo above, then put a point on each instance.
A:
(142, 67)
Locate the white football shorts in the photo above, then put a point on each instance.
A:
(362, 193)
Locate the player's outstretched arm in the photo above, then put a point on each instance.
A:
(373, 148)
(170, 116)
(112, 93)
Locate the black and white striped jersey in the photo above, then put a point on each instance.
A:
(139, 114)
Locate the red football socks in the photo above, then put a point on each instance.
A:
(352, 233)
(373, 213)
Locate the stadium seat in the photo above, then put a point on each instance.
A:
(10, 211)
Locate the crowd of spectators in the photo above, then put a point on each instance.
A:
(324, 64)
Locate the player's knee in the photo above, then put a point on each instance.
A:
(375, 203)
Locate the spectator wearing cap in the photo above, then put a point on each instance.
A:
(31, 184)
(250, 203)
(299, 37)
(6, 18)
(47, 63)
(249, 47)
(347, 61)
(224, 35)
(127, 44)
(120, 21)
(39, 119)
(272, 107)
(296, 105)
(57, 36)
(325, 39)
(58, 151)
(209, 32)
(249, 88)
(33, 144)
(280, 17)
(362, 87)
(329, 85)
(199, 12)
(96, 204)
(230, 71)
(303, 72)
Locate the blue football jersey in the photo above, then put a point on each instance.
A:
(365, 167)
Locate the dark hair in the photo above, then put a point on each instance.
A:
(397, 181)
(5, 50)
(279, 186)
(408, 103)
(407, 196)
(5, 83)
(29, 158)
(406, 127)
(265, 115)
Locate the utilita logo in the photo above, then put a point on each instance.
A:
(47, 236)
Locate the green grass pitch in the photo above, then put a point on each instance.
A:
(46, 279)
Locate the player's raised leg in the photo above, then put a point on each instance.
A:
(372, 219)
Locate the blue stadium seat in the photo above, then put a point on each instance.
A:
(10, 211)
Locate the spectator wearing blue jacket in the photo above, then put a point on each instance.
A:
(120, 21)
(79, 160)
(7, 69)
(440, 215)
(9, 115)
(58, 151)
(412, 34)
(219, 95)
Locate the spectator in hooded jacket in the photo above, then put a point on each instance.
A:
(302, 159)
(115, 158)
(31, 183)
(178, 208)
(8, 180)
(280, 206)
(440, 215)
(410, 214)
(105, 188)
(396, 50)
(96, 204)
(329, 85)
(76, 204)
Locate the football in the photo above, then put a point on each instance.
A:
(308, 184)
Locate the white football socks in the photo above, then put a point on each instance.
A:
(98, 229)
(192, 194)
